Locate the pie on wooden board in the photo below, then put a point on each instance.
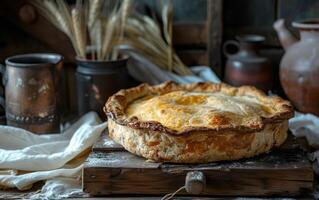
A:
(197, 123)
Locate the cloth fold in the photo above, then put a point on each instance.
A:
(25, 181)
(306, 125)
(27, 158)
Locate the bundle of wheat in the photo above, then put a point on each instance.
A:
(102, 20)
(143, 36)
(111, 23)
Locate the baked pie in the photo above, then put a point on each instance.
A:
(197, 123)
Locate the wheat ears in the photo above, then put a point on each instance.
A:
(102, 21)
(97, 27)
(143, 36)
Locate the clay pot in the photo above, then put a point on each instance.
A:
(98, 80)
(32, 92)
(247, 66)
(299, 67)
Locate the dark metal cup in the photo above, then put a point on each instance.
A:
(97, 81)
(32, 91)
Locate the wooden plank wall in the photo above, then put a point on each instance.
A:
(197, 29)
(190, 29)
(249, 16)
(255, 16)
(298, 9)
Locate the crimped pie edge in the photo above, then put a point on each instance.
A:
(116, 105)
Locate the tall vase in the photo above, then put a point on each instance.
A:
(98, 80)
(299, 67)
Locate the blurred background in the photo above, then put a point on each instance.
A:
(199, 31)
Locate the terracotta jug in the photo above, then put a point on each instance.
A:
(299, 67)
(247, 66)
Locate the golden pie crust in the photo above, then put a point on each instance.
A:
(197, 123)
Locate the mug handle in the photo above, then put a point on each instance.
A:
(230, 43)
(4, 81)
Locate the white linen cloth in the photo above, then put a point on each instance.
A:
(307, 125)
(26, 158)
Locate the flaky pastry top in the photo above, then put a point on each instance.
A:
(179, 109)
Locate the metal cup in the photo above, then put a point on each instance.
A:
(96, 81)
(32, 91)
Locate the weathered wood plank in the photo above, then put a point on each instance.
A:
(254, 13)
(182, 198)
(101, 174)
(194, 57)
(129, 174)
(276, 160)
(113, 171)
(105, 143)
(184, 10)
(293, 10)
(152, 181)
(121, 159)
(250, 17)
(147, 198)
(193, 34)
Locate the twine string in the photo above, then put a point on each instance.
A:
(171, 195)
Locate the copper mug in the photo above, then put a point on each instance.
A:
(32, 91)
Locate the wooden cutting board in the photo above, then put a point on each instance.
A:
(111, 170)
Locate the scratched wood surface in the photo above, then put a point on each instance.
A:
(110, 170)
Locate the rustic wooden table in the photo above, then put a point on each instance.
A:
(14, 194)
(19, 195)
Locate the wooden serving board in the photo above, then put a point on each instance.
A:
(111, 170)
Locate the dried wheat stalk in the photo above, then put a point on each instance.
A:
(109, 30)
(167, 17)
(95, 8)
(98, 38)
(95, 27)
(125, 8)
(58, 13)
(143, 36)
(79, 27)
(60, 20)
(110, 23)
(86, 17)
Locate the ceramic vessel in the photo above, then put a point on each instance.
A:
(247, 66)
(98, 80)
(299, 67)
(32, 99)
